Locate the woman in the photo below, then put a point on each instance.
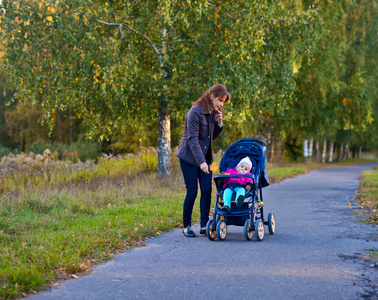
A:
(203, 123)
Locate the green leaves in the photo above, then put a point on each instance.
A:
(113, 62)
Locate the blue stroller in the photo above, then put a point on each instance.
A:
(251, 213)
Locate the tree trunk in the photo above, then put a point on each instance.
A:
(310, 146)
(60, 137)
(330, 158)
(264, 135)
(340, 153)
(70, 124)
(164, 118)
(164, 143)
(271, 143)
(346, 152)
(317, 151)
(305, 148)
(324, 150)
(278, 151)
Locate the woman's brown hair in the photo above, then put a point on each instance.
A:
(217, 90)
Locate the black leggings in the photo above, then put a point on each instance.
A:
(192, 175)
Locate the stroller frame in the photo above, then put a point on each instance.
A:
(251, 213)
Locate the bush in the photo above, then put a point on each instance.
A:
(80, 149)
(5, 151)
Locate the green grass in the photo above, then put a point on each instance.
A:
(368, 198)
(51, 235)
(58, 225)
(368, 194)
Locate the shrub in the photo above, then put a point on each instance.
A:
(80, 149)
(5, 151)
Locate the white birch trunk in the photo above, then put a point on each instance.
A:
(305, 148)
(310, 146)
(164, 119)
(330, 158)
(164, 144)
(324, 150)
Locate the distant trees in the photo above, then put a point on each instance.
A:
(336, 93)
(124, 66)
(115, 63)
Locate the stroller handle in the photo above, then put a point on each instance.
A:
(257, 141)
(232, 175)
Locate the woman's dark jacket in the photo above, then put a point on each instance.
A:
(200, 130)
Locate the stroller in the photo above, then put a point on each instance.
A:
(251, 213)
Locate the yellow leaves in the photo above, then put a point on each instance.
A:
(214, 167)
(49, 18)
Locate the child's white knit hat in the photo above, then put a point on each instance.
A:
(247, 161)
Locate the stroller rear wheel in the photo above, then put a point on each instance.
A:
(221, 230)
(271, 223)
(248, 232)
(210, 233)
(259, 230)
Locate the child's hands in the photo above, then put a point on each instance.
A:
(248, 186)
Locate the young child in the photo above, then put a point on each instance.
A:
(237, 185)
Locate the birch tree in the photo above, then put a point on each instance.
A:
(115, 64)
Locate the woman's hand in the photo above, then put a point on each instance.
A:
(218, 117)
(205, 168)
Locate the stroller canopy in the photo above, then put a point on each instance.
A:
(254, 149)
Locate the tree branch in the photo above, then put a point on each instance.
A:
(114, 24)
(157, 52)
(149, 41)
(44, 38)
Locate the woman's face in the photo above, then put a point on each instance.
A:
(218, 102)
(243, 168)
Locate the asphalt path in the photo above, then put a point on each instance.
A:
(317, 252)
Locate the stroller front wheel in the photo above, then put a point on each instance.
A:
(221, 230)
(210, 233)
(259, 230)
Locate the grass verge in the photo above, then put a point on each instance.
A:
(54, 235)
(368, 194)
(53, 230)
(368, 198)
